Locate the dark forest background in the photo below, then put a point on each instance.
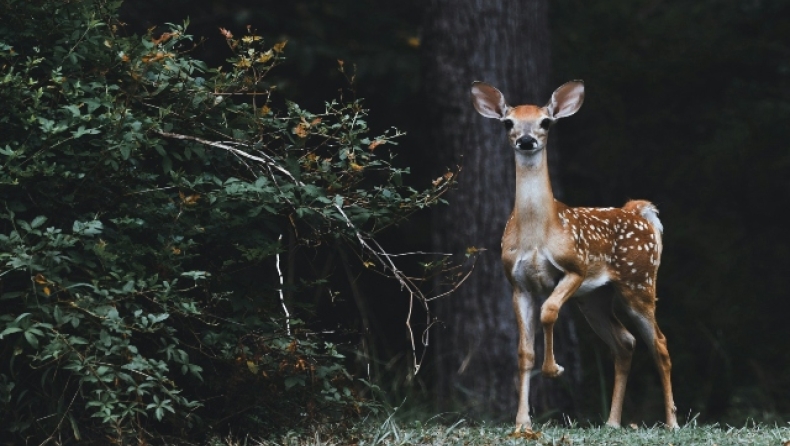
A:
(687, 105)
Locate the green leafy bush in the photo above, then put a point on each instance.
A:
(145, 200)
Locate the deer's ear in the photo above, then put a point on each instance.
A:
(566, 100)
(488, 101)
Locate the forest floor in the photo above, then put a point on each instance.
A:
(391, 433)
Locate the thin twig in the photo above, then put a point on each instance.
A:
(282, 297)
(414, 292)
(66, 412)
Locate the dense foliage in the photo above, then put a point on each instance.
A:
(146, 200)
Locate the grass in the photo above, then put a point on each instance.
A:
(390, 432)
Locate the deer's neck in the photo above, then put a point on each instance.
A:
(535, 208)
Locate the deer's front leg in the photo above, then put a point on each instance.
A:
(524, 305)
(548, 316)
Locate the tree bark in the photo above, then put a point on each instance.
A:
(504, 43)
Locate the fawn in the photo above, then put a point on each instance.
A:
(552, 252)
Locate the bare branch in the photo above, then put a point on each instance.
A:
(267, 160)
(282, 297)
(386, 262)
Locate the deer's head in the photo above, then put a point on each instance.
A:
(528, 126)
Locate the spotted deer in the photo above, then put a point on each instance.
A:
(552, 252)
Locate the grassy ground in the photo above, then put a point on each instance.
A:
(461, 433)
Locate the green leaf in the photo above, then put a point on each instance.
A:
(291, 381)
(38, 221)
(89, 228)
(9, 330)
(31, 339)
(75, 111)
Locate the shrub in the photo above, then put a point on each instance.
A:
(146, 198)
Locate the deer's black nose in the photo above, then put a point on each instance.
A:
(526, 143)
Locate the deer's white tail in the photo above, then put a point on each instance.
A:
(647, 210)
(650, 212)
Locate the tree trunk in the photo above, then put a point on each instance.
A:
(506, 44)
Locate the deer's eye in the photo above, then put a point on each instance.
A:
(508, 124)
(546, 123)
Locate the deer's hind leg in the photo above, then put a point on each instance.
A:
(597, 309)
(641, 307)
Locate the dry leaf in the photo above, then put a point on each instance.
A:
(226, 33)
(527, 434)
(278, 47)
(154, 57)
(243, 63)
(265, 57)
(265, 110)
(191, 200)
(413, 42)
(163, 38)
(40, 279)
(376, 143)
(368, 264)
(301, 130)
(356, 167)
(175, 250)
(300, 364)
(47, 291)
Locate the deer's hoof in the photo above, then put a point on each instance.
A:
(553, 371)
(527, 433)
